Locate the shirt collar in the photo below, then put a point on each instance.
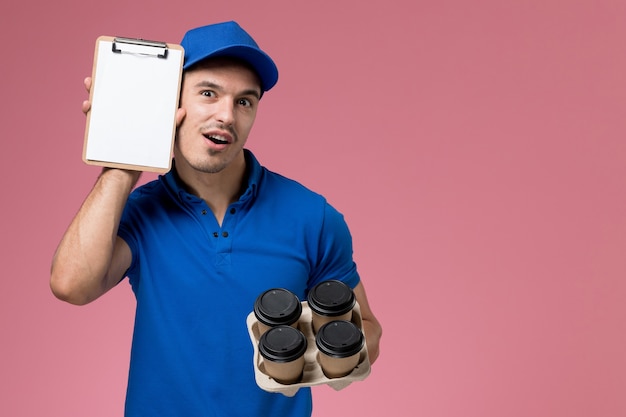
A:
(254, 172)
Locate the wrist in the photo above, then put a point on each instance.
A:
(125, 177)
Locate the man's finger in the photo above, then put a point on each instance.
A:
(87, 83)
(86, 106)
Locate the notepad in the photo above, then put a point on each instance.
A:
(134, 98)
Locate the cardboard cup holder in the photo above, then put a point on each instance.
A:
(312, 373)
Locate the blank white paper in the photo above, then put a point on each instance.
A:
(134, 101)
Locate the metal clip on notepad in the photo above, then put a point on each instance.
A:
(140, 47)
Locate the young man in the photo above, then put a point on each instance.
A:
(203, 241)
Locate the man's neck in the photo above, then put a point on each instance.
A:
(219, 189)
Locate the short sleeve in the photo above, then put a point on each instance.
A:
(335, 252)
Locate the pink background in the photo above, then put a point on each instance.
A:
(476, 148)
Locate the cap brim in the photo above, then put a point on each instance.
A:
(258, 60)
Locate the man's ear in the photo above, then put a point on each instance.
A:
(180, 115)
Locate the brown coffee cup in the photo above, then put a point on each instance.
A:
(330, 300)
(282, 348)
(339, 344)
(275, 307)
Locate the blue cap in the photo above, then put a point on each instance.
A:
(228, 39)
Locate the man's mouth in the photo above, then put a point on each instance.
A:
(218, 140)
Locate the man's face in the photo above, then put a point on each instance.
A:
(221, 99)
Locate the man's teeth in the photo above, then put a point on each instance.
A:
(218, 140)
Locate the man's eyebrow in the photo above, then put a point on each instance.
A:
(208, 84)
(252, 92)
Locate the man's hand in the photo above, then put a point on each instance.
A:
(87, 104)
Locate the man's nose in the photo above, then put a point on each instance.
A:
(225, 111)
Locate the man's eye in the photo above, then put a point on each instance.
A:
(208, 93)
(245, 102)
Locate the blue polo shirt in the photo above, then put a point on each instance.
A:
(196, 281)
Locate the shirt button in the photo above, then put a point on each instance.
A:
(204, 212)
(225, 234)
(233, 211)
(215, 234)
